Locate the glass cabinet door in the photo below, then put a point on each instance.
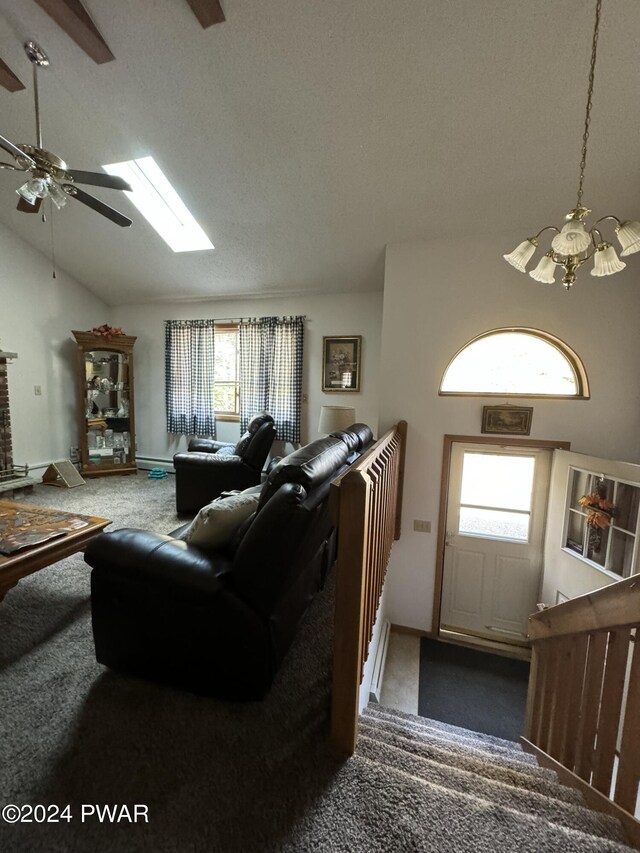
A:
(106, 417)
(108, 407)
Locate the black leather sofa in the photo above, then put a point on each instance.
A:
(210, 467)
(220, 623)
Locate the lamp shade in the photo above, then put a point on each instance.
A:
(333, 418)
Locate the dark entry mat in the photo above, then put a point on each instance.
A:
(476, 690)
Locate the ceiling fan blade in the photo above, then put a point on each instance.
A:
(97, 205)
(99, 179)
(25, 207)
(16, 152)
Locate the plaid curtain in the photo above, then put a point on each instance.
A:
(271, 372)
(189, 359)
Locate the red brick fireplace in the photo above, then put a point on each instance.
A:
(12, 476)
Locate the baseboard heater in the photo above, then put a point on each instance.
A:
(147, 462)
(378, 667)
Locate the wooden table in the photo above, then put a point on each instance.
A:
(30, 559)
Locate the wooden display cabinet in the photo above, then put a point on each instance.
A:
(106, 404)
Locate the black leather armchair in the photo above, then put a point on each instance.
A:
(219, 623)
(209, 467)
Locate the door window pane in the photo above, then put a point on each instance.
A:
(494, 523)
(497, 480)
(627, 504)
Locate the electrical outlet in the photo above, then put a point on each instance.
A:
(37, 390)
(422, 526)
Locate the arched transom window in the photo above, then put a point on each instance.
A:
(516, 361)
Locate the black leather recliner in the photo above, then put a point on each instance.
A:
(220, 623)
(210, 467)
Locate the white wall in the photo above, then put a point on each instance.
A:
(37, 314)
(438, 295)
(330, 314)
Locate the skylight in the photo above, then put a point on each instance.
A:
(160, 204)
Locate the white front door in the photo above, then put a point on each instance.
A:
(495, 536)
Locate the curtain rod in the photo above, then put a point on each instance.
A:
(239, 319)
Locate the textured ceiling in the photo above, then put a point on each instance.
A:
(304, 135)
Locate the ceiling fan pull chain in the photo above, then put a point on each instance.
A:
(53, 248)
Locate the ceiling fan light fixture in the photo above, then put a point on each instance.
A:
(57, 195)
(33, 189)
(50, 177)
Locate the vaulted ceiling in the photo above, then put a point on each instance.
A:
(304, 135)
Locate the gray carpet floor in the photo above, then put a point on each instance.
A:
(248, 777)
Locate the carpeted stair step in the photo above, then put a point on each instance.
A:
(515, 760)
(474, 740)
(382, 712)
(491, 791)
(421, 816)
(521, 776)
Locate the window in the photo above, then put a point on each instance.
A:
(234, 371)
(613, 546)
(496, 494)
(226, 373)
(516, 362)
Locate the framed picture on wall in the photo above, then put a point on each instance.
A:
(341, 363)
(507, 420)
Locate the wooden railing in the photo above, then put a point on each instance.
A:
(366, 502)
(583, 707)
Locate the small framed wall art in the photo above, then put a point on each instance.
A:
(341, 363)
(507, 420)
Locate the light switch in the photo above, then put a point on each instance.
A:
(421, 526)
(37, 390)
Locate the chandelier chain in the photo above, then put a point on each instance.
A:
(587, 118)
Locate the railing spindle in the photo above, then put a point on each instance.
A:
(628, 777)
(610, 706)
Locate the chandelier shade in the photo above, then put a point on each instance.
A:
(605, 261)
(522, 254)
(575, 243)
(545, 272)
(572, 239)
(628, 234)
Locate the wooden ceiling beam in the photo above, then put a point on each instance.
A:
(208, 12)
(73, 18)
(8, 79)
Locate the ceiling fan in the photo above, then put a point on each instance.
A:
(49, 175)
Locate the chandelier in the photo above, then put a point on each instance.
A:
(574, 244)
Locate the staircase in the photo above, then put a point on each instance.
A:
(474, 792)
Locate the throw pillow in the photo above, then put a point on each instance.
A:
(228, 450)
(215, 525)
